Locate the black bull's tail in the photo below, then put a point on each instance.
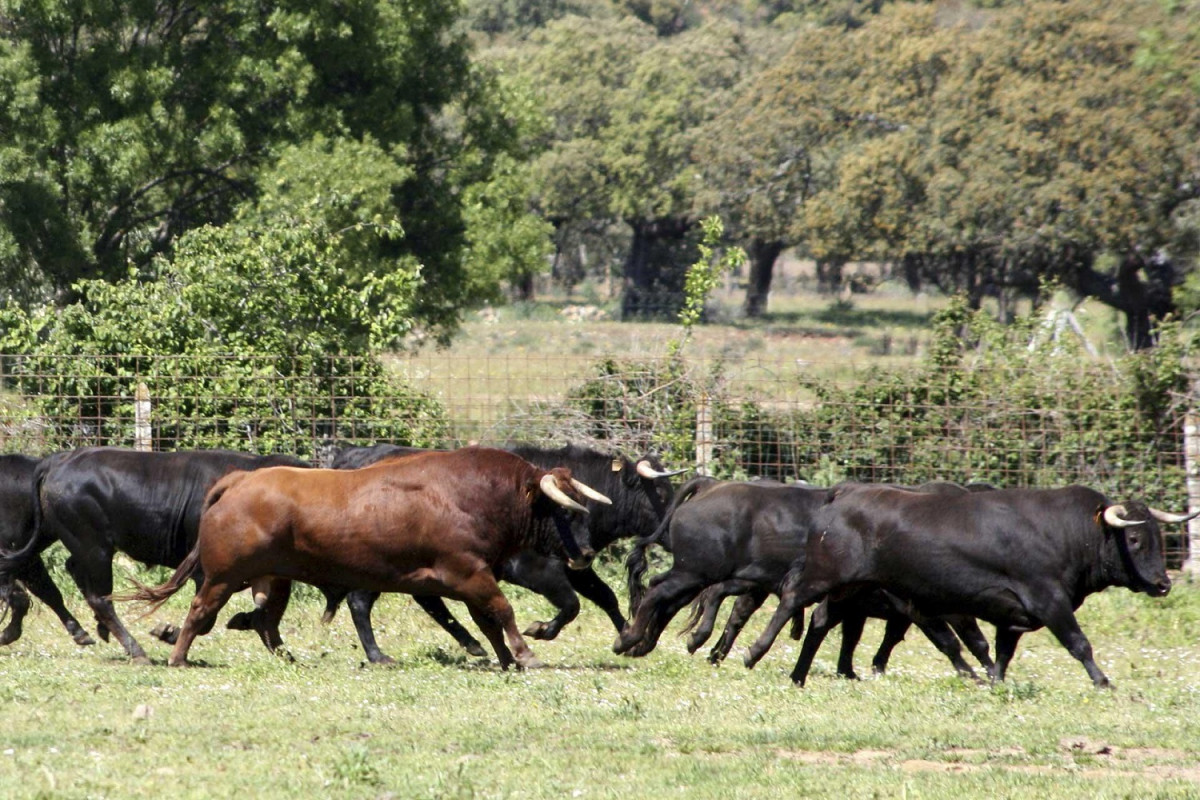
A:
(154, 596)
(12, 562)
(636, 562)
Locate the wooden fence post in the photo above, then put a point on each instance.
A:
(704, 435)
(1191, 462)
(141, 419)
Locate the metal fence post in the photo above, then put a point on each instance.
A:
(141, 419)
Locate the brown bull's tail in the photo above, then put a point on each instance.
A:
(636, 562)
(154, 596)
(223, 485)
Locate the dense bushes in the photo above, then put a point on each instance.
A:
(1011, 405)
(247, 339)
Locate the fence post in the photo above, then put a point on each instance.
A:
(141, 419)
(1191, 461)
(704, 435)
(1191, 465)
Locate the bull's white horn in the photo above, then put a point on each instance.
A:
(1167, 516)
(551, 490)
(1113, 516)
(650, 473)
(590, 493)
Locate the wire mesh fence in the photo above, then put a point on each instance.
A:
(1010, 424)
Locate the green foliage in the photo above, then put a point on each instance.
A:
(975, 411)
(249, 338)
(127, 125)
(703, 276)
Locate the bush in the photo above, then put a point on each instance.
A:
(248, 339)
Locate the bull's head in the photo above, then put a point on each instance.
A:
(559, 486)
(1140, 544)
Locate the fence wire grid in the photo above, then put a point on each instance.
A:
(1016, 425)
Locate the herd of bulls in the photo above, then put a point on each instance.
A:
(451, 524)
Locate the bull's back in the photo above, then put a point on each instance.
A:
(375, 527)
(147, 505)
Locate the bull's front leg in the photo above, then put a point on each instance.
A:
(1062, 623)
(792, 600)
(494, 615)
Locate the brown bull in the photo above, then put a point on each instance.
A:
(437, 523)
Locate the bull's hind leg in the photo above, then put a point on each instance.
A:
(436, 608)
(593, 587)
(895, 627)
(968, 630)
(712, 598)
(267, 622)
(794, 597)
(743, 609)
(201, 615)
(95, 581)
(944, 640)
(38, 581)
(18, 606)
(824, 618)
(656, 610)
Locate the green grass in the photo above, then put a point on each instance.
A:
(85, 723)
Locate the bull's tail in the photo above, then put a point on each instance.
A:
(12, 562)
(636, 562)
(223, 485)
(697, 609)
(154, 596)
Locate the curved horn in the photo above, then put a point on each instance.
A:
(646, 471)
(1112, 515)
(590, 493)
(1167, 516)
(550, 489)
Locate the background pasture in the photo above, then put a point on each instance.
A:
(84, 723)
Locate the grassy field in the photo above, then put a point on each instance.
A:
(84, 723)
(507, 357)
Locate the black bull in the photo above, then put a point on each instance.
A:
(738, 538)
(1021, 559)
(639, 491)
(17, 525)
(99, 501)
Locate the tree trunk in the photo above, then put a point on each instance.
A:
(1141, 290)
(762, 267)
(653, 286)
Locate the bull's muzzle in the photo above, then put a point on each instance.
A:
(583, 560)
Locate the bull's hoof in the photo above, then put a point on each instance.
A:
(81, 637)
(241, 621)
(382, 660)
(533, 662)
(142, 661)
(752, 657)
(475, 649)
(541, 630)
(165, 632)
(10, 635)
(716, 657)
